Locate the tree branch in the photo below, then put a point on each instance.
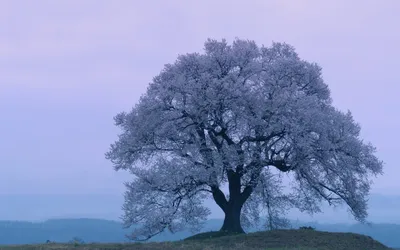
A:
(219, 197)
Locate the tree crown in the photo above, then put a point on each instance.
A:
(242, 115)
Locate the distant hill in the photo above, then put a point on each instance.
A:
(106, 231)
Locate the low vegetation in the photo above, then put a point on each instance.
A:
(272, 240)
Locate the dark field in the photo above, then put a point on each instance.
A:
(273, 240)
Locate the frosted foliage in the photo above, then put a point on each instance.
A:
(268, 199)
(160, 199)
(235, 115)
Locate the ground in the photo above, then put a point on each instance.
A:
(269, 240)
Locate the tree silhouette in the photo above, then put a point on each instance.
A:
(242, 117)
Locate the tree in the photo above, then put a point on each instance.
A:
(243, 118)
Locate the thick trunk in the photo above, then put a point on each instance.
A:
(233, 207)
(232, 219)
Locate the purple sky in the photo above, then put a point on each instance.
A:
(67, 67)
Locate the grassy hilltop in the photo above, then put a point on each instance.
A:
(273, 240)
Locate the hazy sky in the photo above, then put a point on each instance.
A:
(68, 66)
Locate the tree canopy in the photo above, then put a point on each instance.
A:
(244, 117)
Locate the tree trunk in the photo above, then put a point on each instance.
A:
(233, 207)
(232, 219)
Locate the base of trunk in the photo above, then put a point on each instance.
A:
(232, 223)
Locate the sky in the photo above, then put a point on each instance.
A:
(67, 67)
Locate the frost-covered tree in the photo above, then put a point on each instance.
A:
(239, 118)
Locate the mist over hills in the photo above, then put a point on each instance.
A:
(106, 231)
(36, 218)
(41, 207)
(31, 207)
